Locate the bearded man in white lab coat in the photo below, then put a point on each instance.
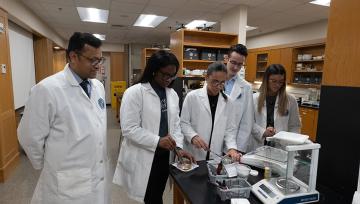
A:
(63, 130)
(241, 92)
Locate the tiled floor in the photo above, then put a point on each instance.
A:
(18, 189)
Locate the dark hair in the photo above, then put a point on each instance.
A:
(217, 67)
(78, 40)
(159, 59)
(240, 49)
(274, 69)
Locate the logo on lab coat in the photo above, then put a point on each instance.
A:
(101, 103)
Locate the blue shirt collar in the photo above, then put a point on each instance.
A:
(234, 78)
(77, 77)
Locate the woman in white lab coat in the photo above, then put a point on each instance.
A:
(149, 117)
(275, 109)
(207, 119)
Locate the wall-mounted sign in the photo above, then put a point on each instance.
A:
(2, 29)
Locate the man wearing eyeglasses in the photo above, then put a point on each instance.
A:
(241, 92)
(63, 130)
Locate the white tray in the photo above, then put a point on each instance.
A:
(193, 166)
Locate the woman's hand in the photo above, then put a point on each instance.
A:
(269, 132)
(199, 143)
(234, 154)
(183, 153)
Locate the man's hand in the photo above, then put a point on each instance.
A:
(167, 142)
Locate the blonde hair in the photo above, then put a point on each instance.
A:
(283, 97)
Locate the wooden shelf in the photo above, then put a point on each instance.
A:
(262, 61)
(187, 44)
(199, 61)
(303, 61)
(192, 76)
(308, 71)
(261, 71)
(305, 85)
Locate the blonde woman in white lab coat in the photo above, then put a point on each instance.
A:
(207, 121)
(63, 130)
(150, 125)
(275, 109)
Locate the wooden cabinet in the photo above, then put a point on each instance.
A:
(201, 41)
(308, 65)
(250, 72)
(9, 148)
(258, 60)
(309, 118)
(146, 54)
(286, 56)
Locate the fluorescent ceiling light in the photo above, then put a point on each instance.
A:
(199, 23)
(321, 2)
(57, 48)
(93, 15)
(100, 36)
(248, 28)
(145, 20)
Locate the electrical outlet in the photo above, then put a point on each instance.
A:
(3, 68)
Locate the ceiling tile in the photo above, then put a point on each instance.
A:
(127, 7)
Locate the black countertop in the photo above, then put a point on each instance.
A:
(198, 190)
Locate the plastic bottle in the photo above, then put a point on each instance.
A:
(267, 173)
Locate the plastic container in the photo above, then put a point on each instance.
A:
(236, 188)
(243, 171)
(213, 177)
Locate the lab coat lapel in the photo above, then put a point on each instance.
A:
(276, 109)
(237, 90)
(72, 81)
(219, 108)
(204, 99)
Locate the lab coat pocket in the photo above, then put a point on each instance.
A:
(73, 184)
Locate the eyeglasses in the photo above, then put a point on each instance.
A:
(216, 83)
(93, 61)
(277, 82)
(167, 76)
(233, 62)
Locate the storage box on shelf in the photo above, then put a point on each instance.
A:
(195, 50)
(308, 64)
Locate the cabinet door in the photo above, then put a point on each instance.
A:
(307, 122)
(250, 71)
(286, 57)
(274, 57)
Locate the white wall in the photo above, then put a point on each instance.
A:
(22, 63)
(24, 17)
(312, 31)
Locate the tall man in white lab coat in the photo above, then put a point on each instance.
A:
(241, 92)
(63, 130)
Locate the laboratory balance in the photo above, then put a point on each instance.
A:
(294, 169)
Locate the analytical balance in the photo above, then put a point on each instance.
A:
(294, 172)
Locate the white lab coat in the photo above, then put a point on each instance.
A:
(196, 120)
(290, 122)
(63, 132)
(140, 121)
(242, 96)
